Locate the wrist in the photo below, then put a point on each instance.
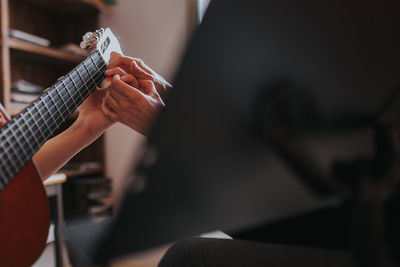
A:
(91, 127)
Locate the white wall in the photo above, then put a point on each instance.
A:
(155, 31)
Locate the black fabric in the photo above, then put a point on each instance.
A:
(196, 252)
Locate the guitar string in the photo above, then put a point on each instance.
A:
(18, 139)
(77, 92)
(58, 102)
(15, 156)
(45, 112)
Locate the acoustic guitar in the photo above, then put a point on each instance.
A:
(24, 208)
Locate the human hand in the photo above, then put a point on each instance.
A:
(91, 116)
(134, 107)
(136, 70)
(135, 94)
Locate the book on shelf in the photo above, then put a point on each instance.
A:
(28, 37)
(23, 97)
(25, 92)
(16, 107)
(27, 87)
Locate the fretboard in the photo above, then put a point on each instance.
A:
(22, 136)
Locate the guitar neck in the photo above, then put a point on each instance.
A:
(22, 136)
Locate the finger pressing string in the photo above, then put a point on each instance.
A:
(131, 80)
(140, 73)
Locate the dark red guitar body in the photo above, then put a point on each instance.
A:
(24, 216)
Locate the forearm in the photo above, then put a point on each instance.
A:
(61, 148)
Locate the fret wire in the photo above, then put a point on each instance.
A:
(62, 99)
(15, 140)
(54, 102)
(76, 87)
(33, 140)
(39, 107)
(35, 122)
(9, 162)
(3, 178)
(83, 82)
(92, 78)
(34, 135)
(68, 90)
(44, 119)
(45, 105)
(4, 172)
(25, 139)
(51, 113)
(5, 164)
(94, 63)
(17, 149)
(9, 172)
(69, 93)
(84, 65)
(65, 104)
(57, 103)
(30, 130)
(8, 156)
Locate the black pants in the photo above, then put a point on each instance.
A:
(195, 252)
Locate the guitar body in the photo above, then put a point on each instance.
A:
(24, 216)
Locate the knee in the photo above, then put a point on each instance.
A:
(186, 252)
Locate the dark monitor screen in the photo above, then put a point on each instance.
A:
(301, 70)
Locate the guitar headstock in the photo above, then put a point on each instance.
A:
(102, 40)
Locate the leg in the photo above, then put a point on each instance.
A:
(195, 252)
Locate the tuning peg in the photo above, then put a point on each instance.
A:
(90, 39)
(87, 36)
(83, 44)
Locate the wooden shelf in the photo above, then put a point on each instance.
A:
(48, 52)
(62, 22)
